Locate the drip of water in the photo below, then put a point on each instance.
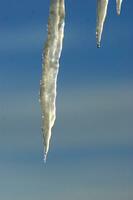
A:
(45, 158)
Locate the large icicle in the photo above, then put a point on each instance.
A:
(50, 67)
(102, 6)
(118, 6)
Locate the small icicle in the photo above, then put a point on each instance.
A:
(102, 6)
(118, 6)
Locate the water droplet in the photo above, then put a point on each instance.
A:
(45, 158)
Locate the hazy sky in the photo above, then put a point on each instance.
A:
(91, 149)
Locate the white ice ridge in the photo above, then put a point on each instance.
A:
(102, 6)
(118, 6)
(50, 67)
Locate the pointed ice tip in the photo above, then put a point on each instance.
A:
(98, 45)
(45, 158)
(118, 12)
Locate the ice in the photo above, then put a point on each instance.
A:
(50, 68)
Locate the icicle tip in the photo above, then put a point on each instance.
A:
(45, 158)
(98, 45)
(118, 6)
(118, 11)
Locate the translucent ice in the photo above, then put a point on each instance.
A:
(102, 6)
(50, 67)
(118, 6)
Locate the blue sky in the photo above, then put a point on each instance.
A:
(92, 144)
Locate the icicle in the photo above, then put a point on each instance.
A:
(102, 6)
(118, 6)
(50, 67)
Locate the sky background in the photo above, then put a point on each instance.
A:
(91, 151)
